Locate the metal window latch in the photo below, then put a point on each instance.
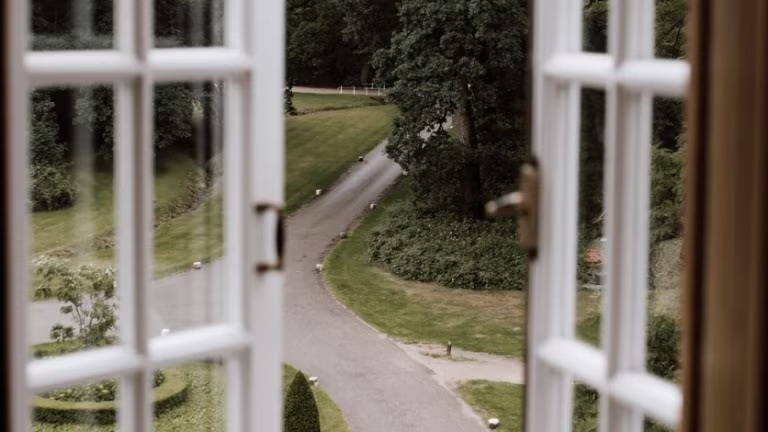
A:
(277, 265)
(525, 205)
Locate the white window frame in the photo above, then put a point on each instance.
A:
(251, 65)
(630, 76)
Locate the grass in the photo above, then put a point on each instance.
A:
(94, 211)
(204, 408)
(482, 321)
(320, 147)
(503, 401)
(306, 103)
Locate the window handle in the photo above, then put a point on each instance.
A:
(524, 204)
(276, 265)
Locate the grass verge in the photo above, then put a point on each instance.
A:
(204, 409)
(307, 103)
(483, 321)
(490, 399)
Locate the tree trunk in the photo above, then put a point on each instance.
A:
(464, 124)
(365, 73)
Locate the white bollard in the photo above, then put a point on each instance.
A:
(313, 380)
(493, 423)
(360, 158)
(318, 192)
(373, 206)
(318, 267)
(405, 173)
(343, 235)
(197, 265)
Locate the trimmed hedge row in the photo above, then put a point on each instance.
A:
(452, 251)
(172, 393)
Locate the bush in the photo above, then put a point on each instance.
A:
(52, 188)
(449, 250)
(300, 413)
(101, 391)
(172, 392)
(663, 346)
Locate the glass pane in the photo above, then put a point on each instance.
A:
(71, 24)
(90, 406)
(665, 239)
(190, 397)
(71, 204)
(189, 23)
(670, 28)
(595, 26)
(188, 236)
(591, 239)
(586, 408)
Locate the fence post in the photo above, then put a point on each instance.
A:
(354, 90)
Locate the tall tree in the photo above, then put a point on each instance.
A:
(368, 27)
(463, 59)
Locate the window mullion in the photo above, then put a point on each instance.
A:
(628, 126)
(16, 182)
(134, 204)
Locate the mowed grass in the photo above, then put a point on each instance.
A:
(306, 103)
(490, 399)
(321, 146)
(481, 321)
(204, 409)
(93, 212)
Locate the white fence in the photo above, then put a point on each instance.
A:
(365, 89)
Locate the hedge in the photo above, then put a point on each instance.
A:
(172, 393)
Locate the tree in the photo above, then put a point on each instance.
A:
(368, 26)
(89, 296)
(316, 52)
(463, 59)
(300, 412)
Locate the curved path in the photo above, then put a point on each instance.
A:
(378, 385)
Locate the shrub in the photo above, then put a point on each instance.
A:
(663, 346)
(169, 394)
(300, 413)
(450, 250)
(89, 296)
(52, 188)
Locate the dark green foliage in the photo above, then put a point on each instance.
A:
(663, 346)
(46, 149)
(467, 60)
(52, 187)
(170, 391)
(316, 52)
(585, 408)
(666, 194)
(453, 251)
(300, 412)
(288, 106)
(88, 293)
(100, 391)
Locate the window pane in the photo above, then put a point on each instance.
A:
(670, 28)
(89, 406)
(591, 241)
(595, 26)
(188, 236)
(665, 239)
(74, 303)
(586, 408)
(71, 24)
(191, 398)
(189, 23)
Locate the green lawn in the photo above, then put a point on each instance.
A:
(204, 409)
(308, 103)
(94, 211)
(320, 147)
(503, 401)
(484, 321)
